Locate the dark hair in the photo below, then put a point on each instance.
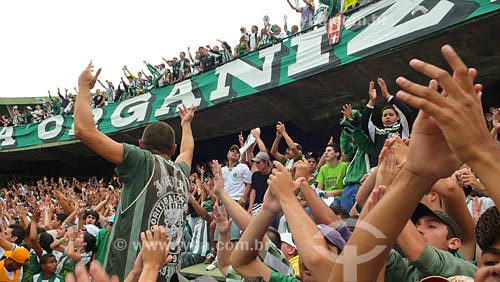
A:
(337, 149)
(340, 210)
(274, 236)
(90, 240)
(61, 217)
(92, 213)
(45, 258)
(158, 138)
(19, 232)
(45, 240)
(390, 107)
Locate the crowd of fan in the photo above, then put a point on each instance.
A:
(171, 71)
(282, 205)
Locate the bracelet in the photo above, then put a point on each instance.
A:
(61, 241)
(71, 240)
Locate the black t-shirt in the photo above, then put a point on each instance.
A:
(207, 61)
(259, 184)
(98, 99)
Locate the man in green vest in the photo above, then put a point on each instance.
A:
(155, 188)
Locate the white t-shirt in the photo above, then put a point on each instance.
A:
(253, 40)
(235, 179)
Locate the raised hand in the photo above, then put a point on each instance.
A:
(280, 128)
(155, 248)
(347, 111)
(219, 180)
(281, 183)
(186, 114)
(87, 79)
(372, 93)
(459, 113)
(223, 225)
(255, 132)
(387, 168)
(383, 88)
(330, 141)
(301, 168)
(241, 139)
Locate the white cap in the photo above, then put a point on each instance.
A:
(287, 238)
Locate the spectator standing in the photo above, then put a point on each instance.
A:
(331, 175)
(226, 52)
(358, 147)
(242, 47)
(98, 99)
(259, 181)
(195, 63)
(56, 108)
(397, 119)
(165, 182)
(307, 12)
(207, 62)
(254, 38)
(294, 30)
(293, 152)
(110, 89)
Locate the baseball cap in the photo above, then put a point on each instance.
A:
(423, 210)
(20, 255)
(332, 235)
(261, 156)
(92, 229)
(266, 18)
(242, 28)
(458, 278)
(488, 228)
(287, 238)
(234, 147)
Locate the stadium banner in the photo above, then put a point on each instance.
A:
(378, 27)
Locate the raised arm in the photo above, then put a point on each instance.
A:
(244, 257)
(313, 249)
(101, 84)
(289, 142)
(453, 198)
(274, 147)
(187, 140)
(298, 10)
(365, 119)
(85, 129)
(427, 148)
(459, 115)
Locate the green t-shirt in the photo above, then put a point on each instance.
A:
(155, 192)
(53, 278)
(101, 244)
(332, 177)
(279, 277)
(432, 262)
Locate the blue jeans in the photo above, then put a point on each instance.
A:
(349, 196)
(336, 202)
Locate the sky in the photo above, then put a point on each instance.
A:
(47, 44)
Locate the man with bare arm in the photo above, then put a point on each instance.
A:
(155, 188)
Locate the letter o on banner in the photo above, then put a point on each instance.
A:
(51, 129)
